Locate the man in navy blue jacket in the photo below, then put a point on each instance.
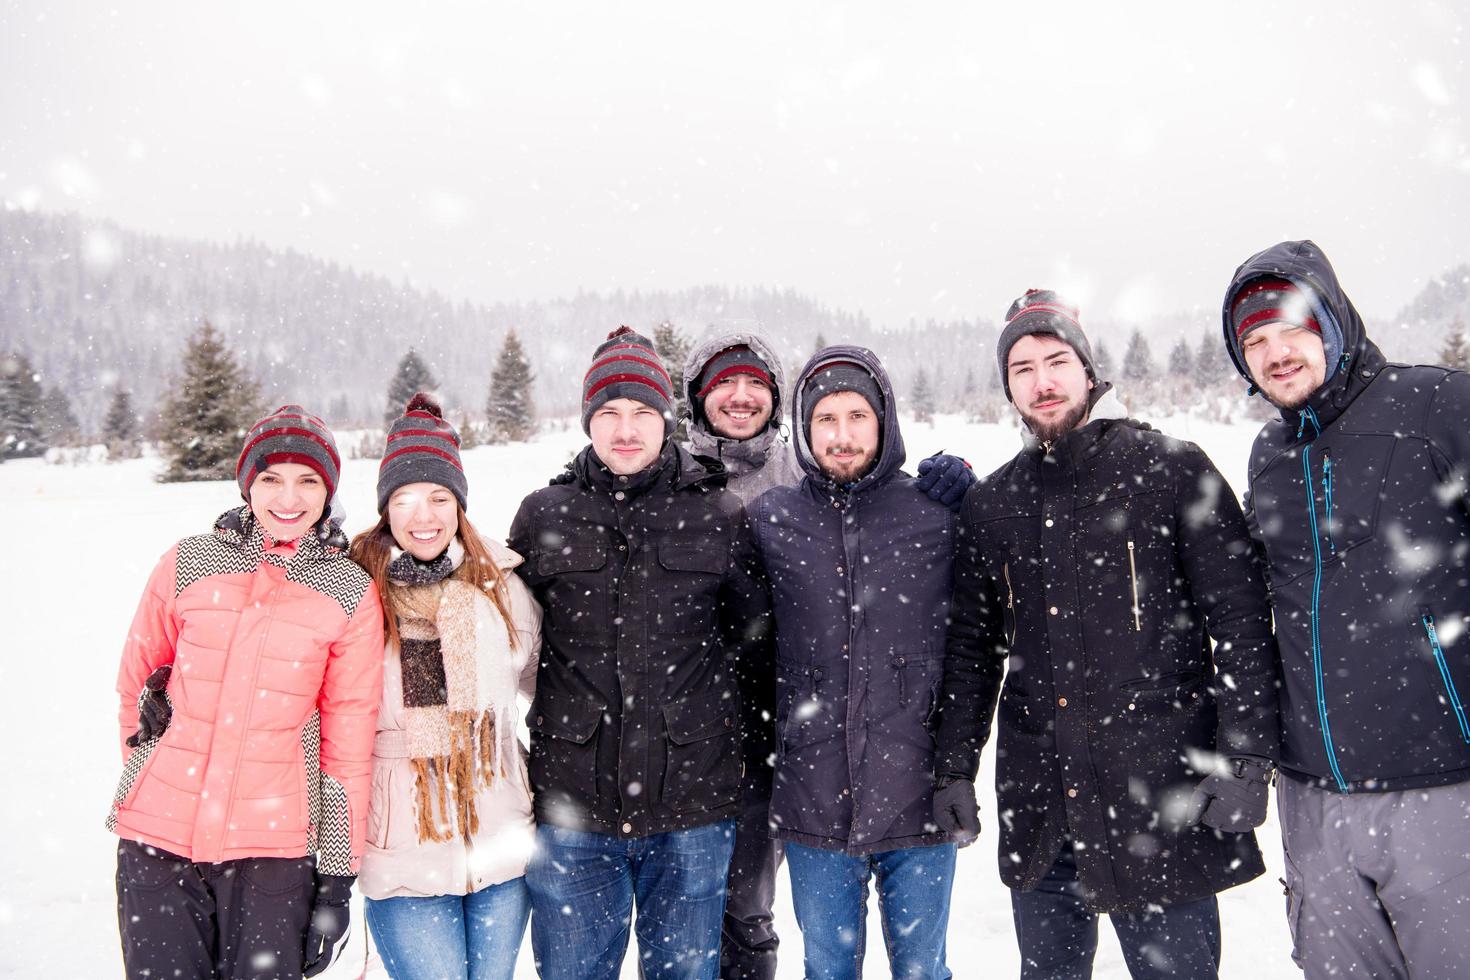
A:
(860, 564)
(1357, 499)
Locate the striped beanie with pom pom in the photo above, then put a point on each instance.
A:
(422, 448)
(626, 366)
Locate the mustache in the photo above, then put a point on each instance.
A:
(1042, 399)
(627, 444)
(855, 450)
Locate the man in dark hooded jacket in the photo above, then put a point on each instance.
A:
(1357, 498)
(860, 564)
(1101, 561)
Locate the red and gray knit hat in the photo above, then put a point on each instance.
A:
(729, 362)
(290, 434)
(1041, 311)
(626, 366)
(1268, 300)
(422, 448)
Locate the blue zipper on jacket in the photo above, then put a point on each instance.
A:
(1444, 673)
(1309, 414)
(1327, 491)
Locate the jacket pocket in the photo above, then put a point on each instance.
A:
(1451, 692)
(702, 765)
(686, 597)
(577, 586)
(1012, 620)
(563, 750)
(1133, 587)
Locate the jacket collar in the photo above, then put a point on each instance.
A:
(239, 529)
(675, 467)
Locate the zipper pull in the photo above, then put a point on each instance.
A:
(1133, 580)
(1327, 492)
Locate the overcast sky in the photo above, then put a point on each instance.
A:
(906, 160)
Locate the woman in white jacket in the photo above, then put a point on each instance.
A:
(450, 826)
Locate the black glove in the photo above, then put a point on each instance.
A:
(154, 711)
(331, 922)
(955, 809)
(1233, 798)
(945, 479)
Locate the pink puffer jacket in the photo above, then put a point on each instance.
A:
(277, 674)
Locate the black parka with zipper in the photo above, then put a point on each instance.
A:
(1100, 568)
(657, 625)
(1358, 501)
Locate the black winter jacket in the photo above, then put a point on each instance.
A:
(1358, 501)
(1101, 569)
(861, 578)
(654, 603)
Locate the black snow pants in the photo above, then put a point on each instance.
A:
(236, 919)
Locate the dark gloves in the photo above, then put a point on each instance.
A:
(945, 479)
(154, 709)
(331, 922)
(955, 810)
(1233, 798)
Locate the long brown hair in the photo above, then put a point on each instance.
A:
(373, 550)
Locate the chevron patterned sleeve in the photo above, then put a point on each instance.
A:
(151, 641)
(351, 690)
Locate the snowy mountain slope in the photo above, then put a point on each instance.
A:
(82, 540)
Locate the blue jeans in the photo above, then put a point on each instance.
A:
(1058, 935)
(829, 890)
(452, 937)
(584, 886)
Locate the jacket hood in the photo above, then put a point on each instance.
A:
(1303, 264)
(739, 456)
(890, 448)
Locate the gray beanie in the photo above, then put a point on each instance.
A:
(422, 448)
(1042, 311)
(838, 376)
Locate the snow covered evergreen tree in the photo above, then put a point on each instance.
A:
(1102, 361)
(1455, 354)
(58, 422)
(1181, 360)
(21, 409)
(120, 426)
(1211, 361)
(411, 377)
(673, 347)
(923, 397)
(1138, 362)
(821, 343)
(213, 404)
(510, 413)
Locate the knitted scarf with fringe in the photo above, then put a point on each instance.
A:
(450, 700)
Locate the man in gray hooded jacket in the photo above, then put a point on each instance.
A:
(734, 382)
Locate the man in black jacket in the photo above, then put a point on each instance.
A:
(1101, 561)
(655, 610)
(1357, 499)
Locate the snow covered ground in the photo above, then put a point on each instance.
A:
(82, 540)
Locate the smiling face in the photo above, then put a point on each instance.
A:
(1286, 361)
(287, 498)
(626, 435)
(739, 406)
(424, 518)
(1049, 385)
(844, 436)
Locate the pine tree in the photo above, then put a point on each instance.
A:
(1455, 354)
(923, 400)
(120, 427)
(213, 404)
(509, 412)
(1102, 361)
(21, 409)
(469, 432)
(411, 377)
(1211, 361)
(1181, 361)
(58, 424)
(673, 347)
(821, 343)
(1138, 363)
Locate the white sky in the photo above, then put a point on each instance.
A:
(904, 160)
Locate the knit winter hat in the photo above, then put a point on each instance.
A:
(626, 366)
(834, 377)
(290, 434)
(1268, 300)
(1041, 311)
(729, 362)
(422, 448)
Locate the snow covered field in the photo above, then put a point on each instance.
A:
(82, 540)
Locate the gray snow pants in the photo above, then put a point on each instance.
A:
(1378, 884)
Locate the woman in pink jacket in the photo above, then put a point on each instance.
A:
(249, 686)
(450, 826)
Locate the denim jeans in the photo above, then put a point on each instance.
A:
(1058, 935)
(829, 890)
(452, 937)
(584, 887)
